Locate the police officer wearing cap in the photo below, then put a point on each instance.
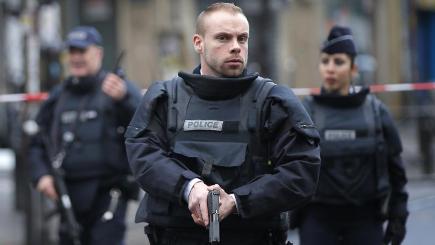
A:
(85, 117)
(225, 129)
(362, 178)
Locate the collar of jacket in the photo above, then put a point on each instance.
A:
(84, 84)
(345, 101)
(217, 88)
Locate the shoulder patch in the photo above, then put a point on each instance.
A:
(299, 117)
(142, 116)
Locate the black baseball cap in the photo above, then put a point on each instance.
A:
(83, 37)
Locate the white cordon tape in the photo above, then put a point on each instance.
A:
(30, 97)
(376, 88)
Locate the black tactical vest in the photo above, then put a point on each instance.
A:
(90, 136)
(353, 154)
(219, 139)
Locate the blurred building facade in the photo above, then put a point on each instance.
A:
(286, 35)
(394, 39)
(157, 35)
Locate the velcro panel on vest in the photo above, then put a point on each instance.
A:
(230, 126)
(230, 154)
(342, 148)
(149, 101)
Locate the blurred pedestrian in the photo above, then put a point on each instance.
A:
(221, 128)
(362, 178)
(85, 117)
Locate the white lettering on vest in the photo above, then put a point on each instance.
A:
(340, 134)
(210, 125)
(70, 116)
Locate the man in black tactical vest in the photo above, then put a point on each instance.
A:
(224, 129)
(84, 119)
(362, 180)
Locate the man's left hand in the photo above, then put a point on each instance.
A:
(227, 204)
(114, 87)
(395, 232)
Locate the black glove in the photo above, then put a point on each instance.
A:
(396, 230)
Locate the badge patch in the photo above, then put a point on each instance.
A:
(79, 35)
(70, 116)
(340, 134)
(209, 125)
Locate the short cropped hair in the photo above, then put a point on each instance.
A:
(229, 7)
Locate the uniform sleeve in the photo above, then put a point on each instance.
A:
(295, 153)
(127, 106)
(147, 149)
(38, 159)
(38, 155)
(397, 176)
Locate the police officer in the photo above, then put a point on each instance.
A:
(85, 116)
(221, 128)
(362, 178)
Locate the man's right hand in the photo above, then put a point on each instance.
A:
(198, 203)
(46, 186)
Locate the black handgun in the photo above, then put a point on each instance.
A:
(213, 216)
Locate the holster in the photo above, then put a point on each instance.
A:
(295, 217)
(129, 188)
(126, 184)
(278, 237)
(151, 233)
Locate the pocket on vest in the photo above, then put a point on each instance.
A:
(222, 154)
(217, 162)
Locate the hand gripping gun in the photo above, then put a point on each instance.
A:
(213, 215)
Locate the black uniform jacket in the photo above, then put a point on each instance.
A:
(82, 189)
(294, 154)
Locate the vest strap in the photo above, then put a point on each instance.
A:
(175, 115)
